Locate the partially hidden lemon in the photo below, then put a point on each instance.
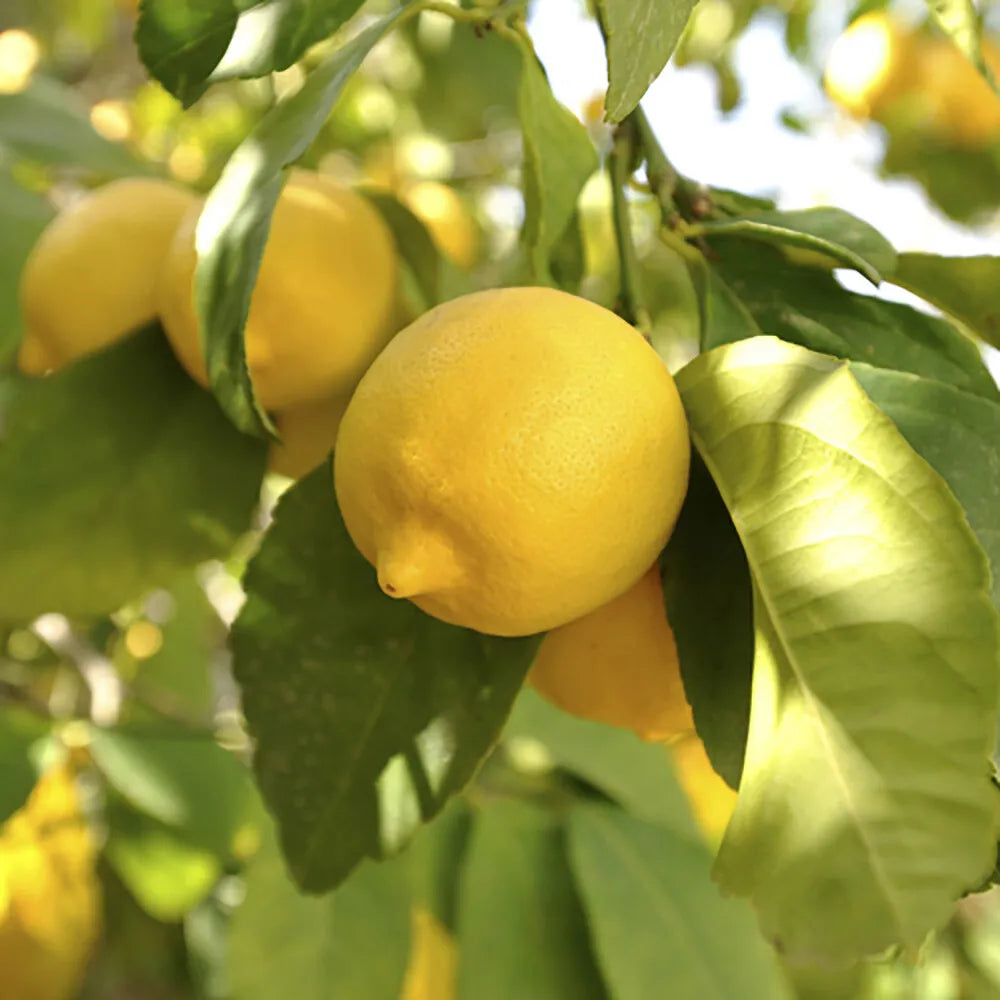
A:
(50, 914)
(712, 800)
(618, 665)
(447, 218)
(433, 965)
(323, 303)
(308, 433)
(91, 277)
(963, 109)
(512, 460)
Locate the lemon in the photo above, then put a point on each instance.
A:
(712, 800)
(618, 665)
(450, 223)
(308, 433)
(512, 460)
(431, 971)
(965, 110)
(49, 893)
(324, 299)
(91, 277)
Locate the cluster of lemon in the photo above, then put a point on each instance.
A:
(883, 70)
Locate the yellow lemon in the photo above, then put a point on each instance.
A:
(91, 277)
(324, 299)
(49, 893)
(512, 460)
(433, 964)
(618, 665)
(964, 109)
(308, 433)
(451, 225)
(712, 800)
(873, 63)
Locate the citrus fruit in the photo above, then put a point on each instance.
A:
(91, 277)
(308, 433)
(618, 665)
(49, 893)
(451, 225)
(431, 970)
(965, 110)
(512, 460)
(712, 800)
(323, 302)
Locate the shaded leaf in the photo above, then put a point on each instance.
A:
(640, 37)
(558, 159)
(114, 474)
(968, 288)
(19, 731)
(233, 227)
(875, 684)
(844, 239)
(521, 930)
(709, 598)
(368, 713)
(656, 917)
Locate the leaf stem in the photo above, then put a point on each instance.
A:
(621, 164)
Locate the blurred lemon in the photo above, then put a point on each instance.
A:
(308, 433)
(324, 300)
(965, 110)
(432, 969)
(91, 277)
(50, 912)
(447, 218)
(712, 800)
(618, 665)
(512, 460)
(19, 55)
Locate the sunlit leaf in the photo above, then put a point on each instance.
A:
(960, 21)
(368, 714)
(865, 806)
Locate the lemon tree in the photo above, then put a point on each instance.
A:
(448, 553)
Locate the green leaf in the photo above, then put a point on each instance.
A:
(23, 216)
(724, 317)
(865, 806)
(19, 731)
(957, 433)
(807, 306)
(967, 288)
(558, 159)
(656, 918)
(840, 238)
(636, 774)
(960, 21)
(709, 598)
(435, 860)
(640, 37)
(368, 714)
(187, 782)
(48, 122)
(233, 226)
(352, 944)
(521, 931)
(114, 474)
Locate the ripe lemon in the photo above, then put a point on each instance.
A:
(323, 303)
(512, 460)
(965, 110)
(432, 968)
(618, 665)
(308, 433)
(712, 800)
(91, 277)
(451, 225)
(49, 893)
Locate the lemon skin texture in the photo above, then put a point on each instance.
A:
(91, 277)
(323, 303)
(618, 665)
(308, 433)
(512, 460)
(450, 223)
(433, 966)
(50, 912)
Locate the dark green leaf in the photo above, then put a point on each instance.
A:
(807, 306)
(869, 590)
(23, 216)
(352, 944)
(709, 598)
(18, 732)
(558, 159)
(368, 713)
(435, 860)
(639, 775)
(656, 918)
(840, 238)
(640, 36)
(114, 474)
(958, 434)
(968, 288)
(521, 931)
(234, 225)
(724, 317)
